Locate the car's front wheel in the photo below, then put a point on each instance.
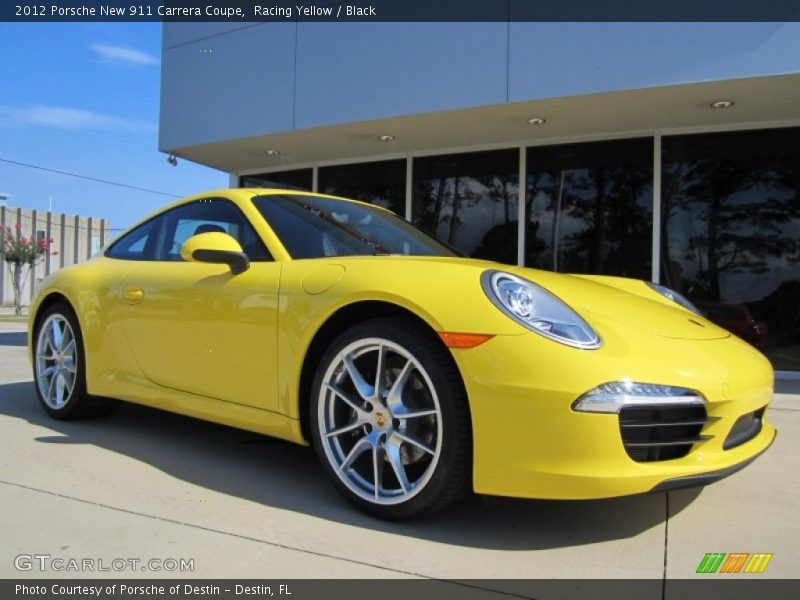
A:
(390, 421)
(59, 367)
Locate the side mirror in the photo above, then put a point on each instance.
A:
(215, 247)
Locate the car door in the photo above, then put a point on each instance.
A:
(197, 327)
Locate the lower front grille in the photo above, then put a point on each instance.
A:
(656, 433)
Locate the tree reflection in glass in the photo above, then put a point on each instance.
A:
(730, 232)
(470, 201)
(382, 183)
(589, 207)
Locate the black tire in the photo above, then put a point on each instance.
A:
(79, 404)
(451, 474)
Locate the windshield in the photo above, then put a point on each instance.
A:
(315, 227)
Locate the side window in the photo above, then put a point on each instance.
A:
(137, 244)
(205, 216)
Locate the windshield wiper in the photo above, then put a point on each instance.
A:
(377, 249)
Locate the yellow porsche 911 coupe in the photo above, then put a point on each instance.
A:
(416, 374)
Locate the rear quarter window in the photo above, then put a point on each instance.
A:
(137, 244)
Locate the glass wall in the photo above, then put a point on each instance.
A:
(590, 208)
(298, 179)
(382, 183)
(470, 201)
(730, 233)
(730, 216)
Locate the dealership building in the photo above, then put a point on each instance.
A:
(666, 152)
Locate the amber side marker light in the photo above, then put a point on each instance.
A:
(463, 340)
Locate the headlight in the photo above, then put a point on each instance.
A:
(611, 397)
(675, 297)
(537, 309)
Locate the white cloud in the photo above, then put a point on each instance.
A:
(71, 119)
(123, 55)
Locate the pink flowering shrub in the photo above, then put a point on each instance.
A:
(21, 253)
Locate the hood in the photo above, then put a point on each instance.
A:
(598, 299)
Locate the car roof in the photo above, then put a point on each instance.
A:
(242, 195)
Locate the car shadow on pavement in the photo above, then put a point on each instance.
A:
(287, 476)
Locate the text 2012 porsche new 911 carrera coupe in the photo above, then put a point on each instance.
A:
(416, 374)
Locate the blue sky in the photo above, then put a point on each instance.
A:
(83, 97)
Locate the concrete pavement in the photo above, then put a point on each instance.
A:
(146, 484)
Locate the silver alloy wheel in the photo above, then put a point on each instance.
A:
(380, 421)
(56, 361)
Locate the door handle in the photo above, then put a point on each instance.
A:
(132, 295)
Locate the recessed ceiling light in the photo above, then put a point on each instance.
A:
(722, 104)
(272, 152)
(387, 138)
(536, 121)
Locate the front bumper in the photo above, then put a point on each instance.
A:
(690, 481)
(528, 442)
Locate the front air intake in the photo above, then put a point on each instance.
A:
(656, 433)
(745, 429)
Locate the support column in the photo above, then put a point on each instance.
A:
(522, 189)
(656, 240)
(409, 188)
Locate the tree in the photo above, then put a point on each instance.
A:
(20, 253)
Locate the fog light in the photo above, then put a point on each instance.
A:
(613, 396)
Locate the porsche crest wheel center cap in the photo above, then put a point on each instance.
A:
(381, 420)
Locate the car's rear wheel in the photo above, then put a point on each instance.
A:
(390, 421)
(59, 367)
